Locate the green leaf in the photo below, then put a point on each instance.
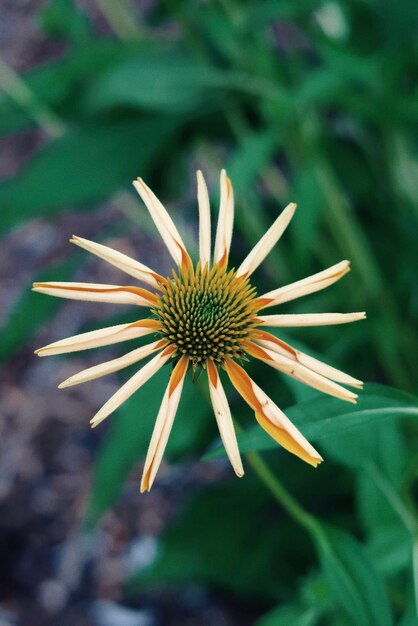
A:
(127, 442)
(84, 166)
(324, 418)
(352, 576)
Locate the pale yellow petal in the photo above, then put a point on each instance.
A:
(267, 242)
(204, 220)
(102, 337)
(300, 372)
(163, 222)
(328, 371)
(108, 367)
(281, 347)
(164, 423)
(94, 292)
(223, 418)
(306, 286)
(121, 261)
(225, 221)
(132, 385)
(309, 319)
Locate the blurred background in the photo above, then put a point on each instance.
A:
(314, 101)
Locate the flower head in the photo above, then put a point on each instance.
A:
(205, 317)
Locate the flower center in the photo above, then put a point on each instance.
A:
(208, 313)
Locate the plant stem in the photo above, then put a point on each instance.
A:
(279, 492)
(281, 495)
(37, 110)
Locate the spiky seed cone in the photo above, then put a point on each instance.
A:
(207, 313)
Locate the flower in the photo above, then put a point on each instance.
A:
(207, 317)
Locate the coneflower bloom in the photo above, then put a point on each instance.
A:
(205, 316)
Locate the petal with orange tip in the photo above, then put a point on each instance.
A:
(286, 440)
(93, 292)
(270, 417)
(164, 423)
(102, 337)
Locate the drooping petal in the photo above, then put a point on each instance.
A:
(103, 369)
(132, 385)
(307, 285)
(164, 423)
(267, 242)
(163, 222)
(225, 222)
(300, 372)
(281, 347)
(270, 417)
(223, 418)
(309, 319)
(121, 261)
(204, 220)
(93, 292)
(102, 337)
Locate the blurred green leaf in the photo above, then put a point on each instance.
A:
(265, 13)
(63, 18)
(342, 72)
(250, 159)
(129, 437)
(289, 615)
(84, 166)
(58, 83)
(167, 82)
(405, 167)
(410, 617)
(390, 548)
(31, 311)
(322, 418)
(399, 22)
(222, 536)
(377, 445)
(353, 578)
(305, 230)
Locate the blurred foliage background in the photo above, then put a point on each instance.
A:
(313, 101)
